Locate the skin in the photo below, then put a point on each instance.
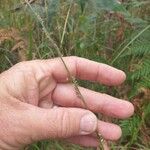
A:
(37, 102)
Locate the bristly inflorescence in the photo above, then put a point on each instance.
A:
(71, 78)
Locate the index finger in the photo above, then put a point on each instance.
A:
(87, 70)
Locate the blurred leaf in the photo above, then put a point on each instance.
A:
(109, 5)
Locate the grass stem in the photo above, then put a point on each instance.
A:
(71, 78)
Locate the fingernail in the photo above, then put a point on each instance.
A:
(88, 124)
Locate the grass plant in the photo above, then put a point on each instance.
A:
(114, 32)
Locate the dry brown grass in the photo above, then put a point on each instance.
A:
(20, 43)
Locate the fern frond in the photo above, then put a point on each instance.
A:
(138, 49)
(131, 129)
(142, 72)
(145, 82)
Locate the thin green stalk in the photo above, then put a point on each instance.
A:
(71, 78)
(65, 25)
(141, 32)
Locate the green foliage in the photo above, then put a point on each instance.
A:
(52, 6)
(143, 71)
(131, 134)
(111, 5)
(138, 49)
(100, 30)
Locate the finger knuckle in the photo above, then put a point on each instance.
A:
(65, 126)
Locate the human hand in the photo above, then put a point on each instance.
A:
(37, 102)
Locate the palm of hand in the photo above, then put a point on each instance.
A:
(31, 83)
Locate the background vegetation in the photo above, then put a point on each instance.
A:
(109, 31)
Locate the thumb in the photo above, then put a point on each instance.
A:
(60, 123)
